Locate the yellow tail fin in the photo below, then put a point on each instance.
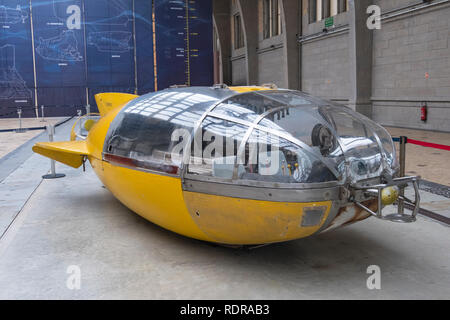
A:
(70, 153)
(111, 100)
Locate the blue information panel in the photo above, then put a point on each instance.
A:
(16, 60)
(201, 58)
(110, 47)
(171, 44)
(184, 42)
(60, 54)
(84, 47)
(144, 47)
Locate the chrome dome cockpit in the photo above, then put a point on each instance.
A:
(281, 145)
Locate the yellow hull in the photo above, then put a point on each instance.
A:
(161, 200)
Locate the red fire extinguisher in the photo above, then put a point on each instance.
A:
(424, 112)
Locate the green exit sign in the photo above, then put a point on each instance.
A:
(329, 22)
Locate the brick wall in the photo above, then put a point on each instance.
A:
(411, 63)
(325, 70)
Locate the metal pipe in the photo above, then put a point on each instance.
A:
(51, 132)
(88, 110)
(323, 34)
(19, 112)
(42, 113)
(411, 8)
(403, 142)
(79, 119)
(34, 56)
(53, 174)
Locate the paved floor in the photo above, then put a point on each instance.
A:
(9, 141)
(75, 221)
(48, 226)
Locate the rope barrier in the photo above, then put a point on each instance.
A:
(46, 106)
(429, 144)
(39, 128)
(424, 144)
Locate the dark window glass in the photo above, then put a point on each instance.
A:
(312, 11)
(276, 18)
(326, 9)
(342, 6)
(271, 18)
(266, 18)
(238, 32)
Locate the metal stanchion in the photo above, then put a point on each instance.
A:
(88, 110)
(79, 113)
(53, 174)
(403, 142)
(42, 113)
(20, 130)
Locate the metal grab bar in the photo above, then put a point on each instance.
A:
(376, 191)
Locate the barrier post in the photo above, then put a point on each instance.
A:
(53, 174)
(79, 113)
(403, 142)
(42, 113)
(88, 110)
(19, 112)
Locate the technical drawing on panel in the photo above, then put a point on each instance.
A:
(12, 84)
(110, 41)
(12, 16)
(61, 48)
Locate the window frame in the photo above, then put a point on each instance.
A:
(238, 32)
(319, 10)
(271, 18)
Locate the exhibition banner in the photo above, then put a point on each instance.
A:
(110, 46)
(201, 58)
(184, 43)
(16, 59)
(59, 53)
(144, 47)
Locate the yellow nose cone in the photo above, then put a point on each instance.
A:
(389, 195)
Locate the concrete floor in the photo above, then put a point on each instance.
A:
(47, 226)
(9, 141)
